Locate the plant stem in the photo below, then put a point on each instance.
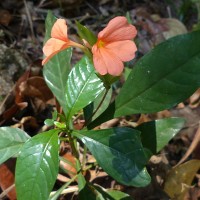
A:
(54, 196)
(100, 104)
(84, 156)
(74, 150)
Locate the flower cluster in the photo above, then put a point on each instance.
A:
(114, 45)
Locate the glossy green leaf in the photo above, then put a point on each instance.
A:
(118, 195)
(83, 86)
(85, 191)
(162, 78)
(11, 140)
(86, 34)
(156, 134)
(119, 152)
(56, 70)
(37, 166)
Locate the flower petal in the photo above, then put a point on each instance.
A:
(106, 62)
(52, 47)
(124, 50)
(118, 29)
(59, 30)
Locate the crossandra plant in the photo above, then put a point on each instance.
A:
(159, 80)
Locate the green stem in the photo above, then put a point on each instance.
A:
(74, 150)
(100, 104)
(84, 156)
(58, 192)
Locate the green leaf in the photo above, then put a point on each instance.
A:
(118, 195)
(11, 141)
(56, 70)
(86, 34)
(162, 78)
(83, 86)
(49, 22)
(156, 134)
(37, 166)
(85, 191)
(119, 152)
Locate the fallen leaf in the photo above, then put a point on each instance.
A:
(179, 179)
(7, 177)
(68, 163)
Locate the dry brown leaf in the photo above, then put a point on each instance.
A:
(35, 87)
(69, 167)
(153, 29)
(179, 179)
(194, 100)
(7, 177)
(5, 17)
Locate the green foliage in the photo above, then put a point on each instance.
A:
(119, 152)
(156, 134)
(37, 166)
(11, 142)
(86, 34)
(83, 86)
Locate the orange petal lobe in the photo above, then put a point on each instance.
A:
(59, 30)
(118, 29)
(52, 47)
(106, 62)
(124, 50)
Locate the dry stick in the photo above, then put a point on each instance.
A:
(68, 190)
(29, 20)
(6, 191)
(192, 147)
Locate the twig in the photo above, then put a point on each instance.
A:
(6, 191)
(29, 20)
(67, 191)
(192, 146)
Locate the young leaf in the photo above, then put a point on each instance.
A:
(156, 134)
(162, 78)
(86, 34)
(37, 166)
(83, 86)
(112, 194)
(119, 152)
(11, 141)
(56, 70)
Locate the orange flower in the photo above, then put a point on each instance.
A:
(58, 41)
(114, 46)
